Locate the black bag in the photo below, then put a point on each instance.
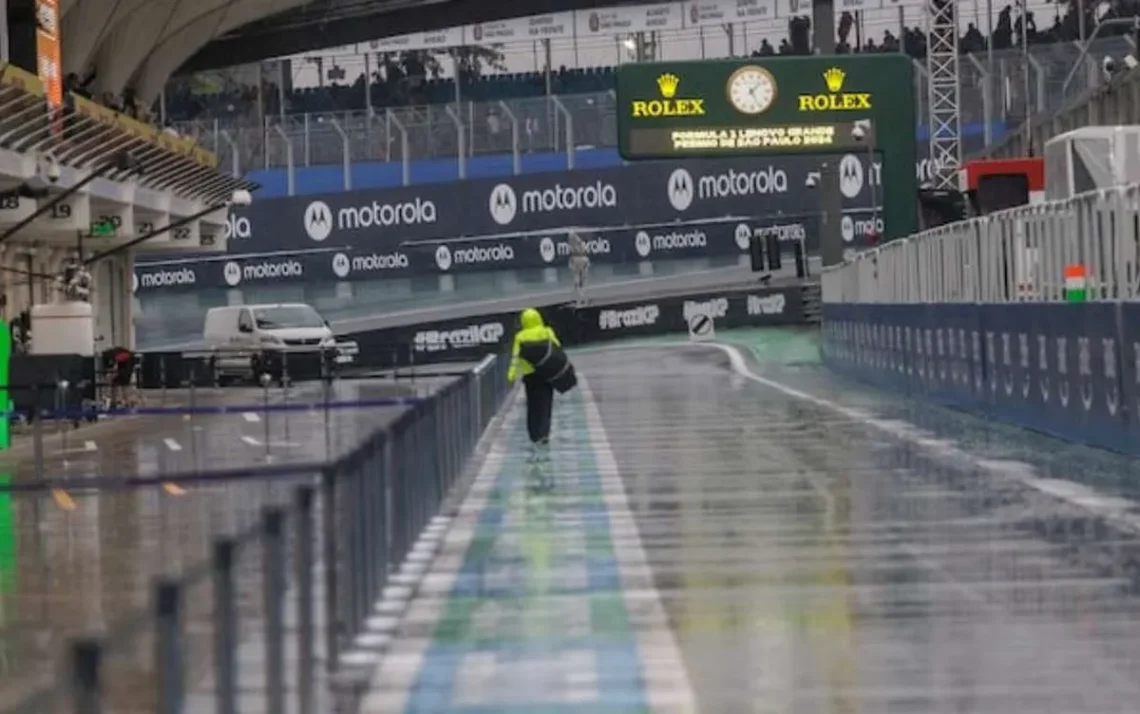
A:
(551, 364)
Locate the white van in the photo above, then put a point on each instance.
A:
(241, 333)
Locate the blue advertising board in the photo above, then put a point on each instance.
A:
(1069, 369)
(643, 211)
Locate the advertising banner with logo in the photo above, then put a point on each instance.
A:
(554, 25)
(1067, 369)
(704, 13)
(48, 59)
(636, 195)
(719, 239)
(470, 338)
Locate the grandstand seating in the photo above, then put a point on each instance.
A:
(256, 141)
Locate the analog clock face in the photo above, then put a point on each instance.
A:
(751, 90)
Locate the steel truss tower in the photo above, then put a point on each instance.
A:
(943, 83)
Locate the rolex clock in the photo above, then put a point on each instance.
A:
(751, 90)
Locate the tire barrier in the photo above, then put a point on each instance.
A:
(1067, 369)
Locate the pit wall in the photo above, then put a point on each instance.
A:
(1071, 370)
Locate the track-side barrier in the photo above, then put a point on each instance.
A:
(1027, 315)
(295, 591)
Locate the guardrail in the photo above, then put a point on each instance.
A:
(296, 588)
(1019, 255)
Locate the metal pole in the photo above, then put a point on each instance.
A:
(304, 574)
(328, 526)
(831, 203)
(516, 155)
(549, 69)
(273, 589)
(87, 665)
(1025, 77)
(368, 83)
(346, 154)
(989, 36)
(168, 646)
(404, 158)
(225, 628)
(289, 177)
(461, 139)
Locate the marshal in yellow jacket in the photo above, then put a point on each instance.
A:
(533, 330)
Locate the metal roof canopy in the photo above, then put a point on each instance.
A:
(87, 135)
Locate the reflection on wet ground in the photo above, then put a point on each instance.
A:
(84, 561)
(802, 561)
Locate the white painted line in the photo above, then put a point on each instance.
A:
(172, 444)
(253, 441)
(251, 417)
(90, 445)
(667, 685)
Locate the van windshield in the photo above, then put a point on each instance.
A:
(276, 318)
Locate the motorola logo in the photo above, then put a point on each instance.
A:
(743, 235)
(680, 189)
(379, 262)
(443, 257)
(341, 265)
(166, 279)
(548, 250)
(503, 204)
(643, 243)
(743, 183)
(232, 273)
(318, 220)
(679, 241)
(850, 176)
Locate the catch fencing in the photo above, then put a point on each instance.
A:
(278, 616)
(1018, 255)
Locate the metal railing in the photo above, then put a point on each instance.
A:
(1114, 102)
(1016, 255)
(992, 93)
(270, 622)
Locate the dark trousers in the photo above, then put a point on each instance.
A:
(539, 405)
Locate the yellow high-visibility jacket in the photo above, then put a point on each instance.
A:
(533, 330)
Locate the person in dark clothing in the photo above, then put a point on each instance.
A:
(539, 391)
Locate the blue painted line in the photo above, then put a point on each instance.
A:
(512, 526)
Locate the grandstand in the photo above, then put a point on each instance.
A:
(371, 120)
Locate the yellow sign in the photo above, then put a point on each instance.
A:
(769, 137)
(835, 100)
(668, 105)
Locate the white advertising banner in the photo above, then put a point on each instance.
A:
(550, 26)
(433, 40)
(701, 13)
(624, 20)
(857, 5)
(789, 8)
